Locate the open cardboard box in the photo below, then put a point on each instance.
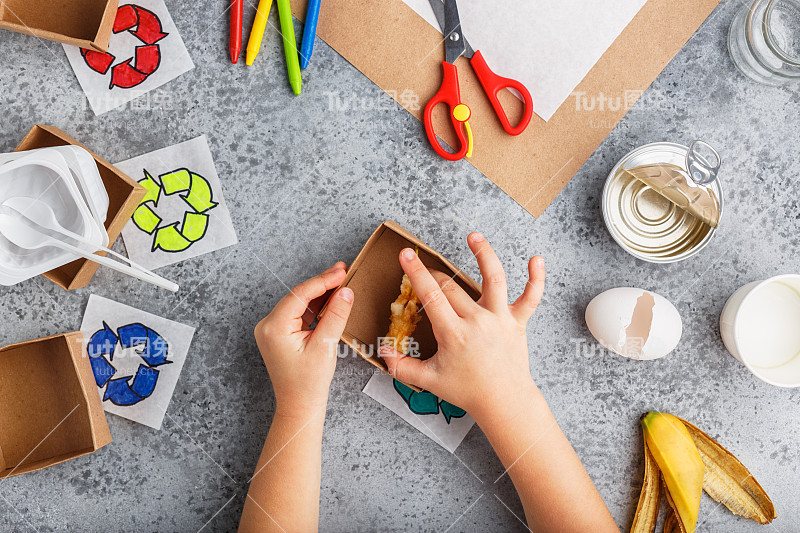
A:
(375, 278)
(50, 411)
(84, 23)
(124, 195)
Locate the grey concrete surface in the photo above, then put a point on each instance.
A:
(307, 179)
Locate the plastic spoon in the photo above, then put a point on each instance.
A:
(21, 232)
(41, 214)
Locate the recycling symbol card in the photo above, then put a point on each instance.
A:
(441, 421)
(183, 214)
(136, 358)
(144, 53)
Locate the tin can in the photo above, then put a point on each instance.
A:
(643, 221)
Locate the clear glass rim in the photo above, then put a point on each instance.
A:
(768, 35)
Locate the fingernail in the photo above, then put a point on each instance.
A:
(408, 253)
(477, 237)
(538, 261)
(346, 294)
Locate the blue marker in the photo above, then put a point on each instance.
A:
(309, 32)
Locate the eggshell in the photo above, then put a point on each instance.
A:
(620, 319)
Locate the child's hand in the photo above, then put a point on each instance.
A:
(300, 361)
(482, 363)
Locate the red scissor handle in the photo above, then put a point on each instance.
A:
(493, 84)
(450, 94)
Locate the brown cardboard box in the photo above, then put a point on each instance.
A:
(84, 23)
(50, 411)
(124, 195)
(375, 277)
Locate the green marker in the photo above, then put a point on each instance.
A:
(289, 45)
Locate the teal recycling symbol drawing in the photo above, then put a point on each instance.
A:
(196, 193)
(425, 403)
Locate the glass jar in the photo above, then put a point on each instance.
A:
(764, 41)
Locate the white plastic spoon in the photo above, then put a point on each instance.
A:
(22, 232)
(41, 214)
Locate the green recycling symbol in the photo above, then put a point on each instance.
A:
(172, 237)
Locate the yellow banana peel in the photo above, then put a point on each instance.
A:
(687, 461)
(728, 481)
(644, 521)
(680, 463)
(671, 523)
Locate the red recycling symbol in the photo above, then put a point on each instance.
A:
(145, 26)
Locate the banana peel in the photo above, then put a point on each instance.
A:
(727, 480)
(724, 478)
(644, 521)
(680, 463)
(671, 522)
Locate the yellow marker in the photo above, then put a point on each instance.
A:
(257, 33)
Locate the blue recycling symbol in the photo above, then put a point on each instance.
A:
(151, 347)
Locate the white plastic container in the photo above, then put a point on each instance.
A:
(85, 174)
(44, 174)
(759, 326)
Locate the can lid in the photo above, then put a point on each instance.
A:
(687, 186)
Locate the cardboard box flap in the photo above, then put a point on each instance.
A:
(375, 277)
(84, 23)
(124, 195)
(101, 434)
(44, 463)
(101, 40)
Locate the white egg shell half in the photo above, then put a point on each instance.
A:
(634, 323)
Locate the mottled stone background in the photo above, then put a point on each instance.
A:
(307, 179)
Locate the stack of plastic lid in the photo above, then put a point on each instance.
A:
(67, 180)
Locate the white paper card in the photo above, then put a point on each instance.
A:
(184, 213)
(547, 45)
(446, 424)
(144, 53)
(136, 358)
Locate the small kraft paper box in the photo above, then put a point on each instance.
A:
(50, 411)
(375, 278)
(124, 195)
(83, 23)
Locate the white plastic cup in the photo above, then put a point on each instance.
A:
(760, 326)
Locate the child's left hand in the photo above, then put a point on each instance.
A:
(301, 361)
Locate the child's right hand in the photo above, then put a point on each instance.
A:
(482, 363)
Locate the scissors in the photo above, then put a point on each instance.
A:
(449, 93)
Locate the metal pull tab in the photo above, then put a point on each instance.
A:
(702, 162)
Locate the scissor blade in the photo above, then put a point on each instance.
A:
(453, 40)
(438, 10)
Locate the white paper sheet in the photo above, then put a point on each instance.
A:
(144, 53)
(136, 357)
(446, 433)
(184, 213)
(548, 45)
